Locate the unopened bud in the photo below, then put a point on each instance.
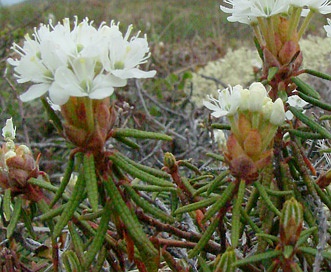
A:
(291, 221)
(169, 160)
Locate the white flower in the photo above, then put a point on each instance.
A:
(125, 55)
(295, 101)
(257, 96)
(320, 6)
(277, 116)
(246, 11)
(227, 103)
(82, 61)
(241, 11)
(9, 131)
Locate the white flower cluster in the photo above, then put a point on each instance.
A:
(247, 11)
(255, 99)
(83, 61)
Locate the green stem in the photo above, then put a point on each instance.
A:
(305, 23)
(294, 21)
(258, 35)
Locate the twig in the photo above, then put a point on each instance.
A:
(139, 89)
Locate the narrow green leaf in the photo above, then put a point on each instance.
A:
(235, 230)
(142, 175)
(197, 205)
(77, 243)
(153, 171)
(250, 222)
(153, 188)
(258, 257)
(272, 72)
(305, 88)
(147, 251)
(258, 48)
(6, 204)
(204, 238)
(78, 194)
(220, 202)
(313, 251)
(43, 184)
(52, 115)
(218, 181)
(266, 198)
(315, 102)
(127, 142)
(279, 193)
(146, 206)
(203, 265)
(71, 262)
(268, 237)
(91, 181)
(28, 223)
(52, 213)
(99, 237)
(14, 218)
(304, 236)
(64, 182)
(101, 259)
(140, 134)
(305, 135)
(215, 156)
(318, 74)
(310, 123)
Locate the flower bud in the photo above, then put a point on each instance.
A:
(277, 116)
(169, 160)
(291, 221)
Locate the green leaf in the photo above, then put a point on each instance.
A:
(204, 238)
(221, 202)
(146, 206)
(235, 231)
(305, 135)
(315, 102)
(15, 216)
(91, 181)
(258, 257)
(6, 202)
(139, 134)
(64, 182)
(272, 72)
(99, 237)
(78, 194)
(310, 123)
(147, 251)
(52, 115)
(313, 251)
(305, 88)
(266, 198)
(71, 261)
(318, 74)
(196, 205)
(140, 174)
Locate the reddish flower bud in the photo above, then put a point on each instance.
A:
(291, 221)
